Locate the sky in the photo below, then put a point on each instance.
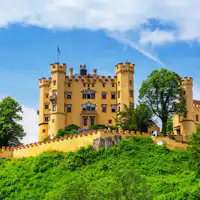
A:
(151, 34)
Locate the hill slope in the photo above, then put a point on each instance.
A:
(134, 169)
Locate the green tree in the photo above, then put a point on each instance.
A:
(11, 132)
(125, 118)
(194, 151)
(163, 93)
(138, 119)
(143, 118)
(170, 124)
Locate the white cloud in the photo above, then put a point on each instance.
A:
(156, 37)
(30, 124)
(120, 15)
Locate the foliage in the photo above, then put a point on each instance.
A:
(138, 119)
(163, 93)
(194, 150)
(134, 169)
(71, 127)
(11, 132)
(170, 124)
(125, 118)
(97, 126)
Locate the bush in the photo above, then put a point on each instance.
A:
(71, 127)
(97, 126)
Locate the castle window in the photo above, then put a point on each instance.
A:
(131, 93)
(92, 95)
(92, 120)
(84, 85)
(110, 121)
(69, 95)
(85, 121)
(93, 85)
(131, 105)
(69, 108)
(113, 85)
(113, 95)
(69, 85)
(65, 95)
(118, 83)
(84, 107)
(93, 107)
(54, 107)
(53, 120)
(47, 95)
(103, 85)
(88, 95)
(131, 82)
(118, 94)
(104, 106)
(103, 95)
(46, 118)
(43, 130)
(113, 108)
(54, 82)
(197, 118)
(46, 106)
(88, 85)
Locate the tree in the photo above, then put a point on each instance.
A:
(135, 119)
(10, 131)
(143, 118)
(163, 93)
(194, 150)
(170, 124)
(125, 118)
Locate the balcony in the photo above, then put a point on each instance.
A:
(89, 112)
(53, 97)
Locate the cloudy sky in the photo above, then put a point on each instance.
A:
(100, 33)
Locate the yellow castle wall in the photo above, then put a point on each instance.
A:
(60, 82)
(66, 144)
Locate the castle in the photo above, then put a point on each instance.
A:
(186, 125)
(83, 99)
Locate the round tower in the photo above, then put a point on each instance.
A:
(43, 109)
(187, 123)
(125, 85)
(56, 97)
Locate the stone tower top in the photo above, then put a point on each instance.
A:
(187, 81)
(128, 67)
(58, 68)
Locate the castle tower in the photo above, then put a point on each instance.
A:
(56, 97)
(187, 122)
(43, 109)
(125, 85)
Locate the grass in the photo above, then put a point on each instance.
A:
(134, 169)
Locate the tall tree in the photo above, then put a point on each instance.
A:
(143, 118)
(138, 119)
(164, 95)
(170, 124)
(11, 132)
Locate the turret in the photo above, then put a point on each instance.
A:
(43, 109)
(187, 121)
(56, 97)
(125, 84)
(70, 72)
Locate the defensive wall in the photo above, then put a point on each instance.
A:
(73, 143)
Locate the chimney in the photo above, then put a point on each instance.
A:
(70, 72)
(94, 72)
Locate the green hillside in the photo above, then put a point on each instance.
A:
(134, 169)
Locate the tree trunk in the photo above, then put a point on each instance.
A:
(164, 127)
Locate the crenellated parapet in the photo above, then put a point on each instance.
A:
(43, 82)
(57, 68)
(128, 67)
(187, 81)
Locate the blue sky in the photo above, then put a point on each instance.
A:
(100, 34)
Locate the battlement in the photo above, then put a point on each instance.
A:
(64, 144)
(187, 81)
(128, 67)
(57, 68)
(43, 82)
